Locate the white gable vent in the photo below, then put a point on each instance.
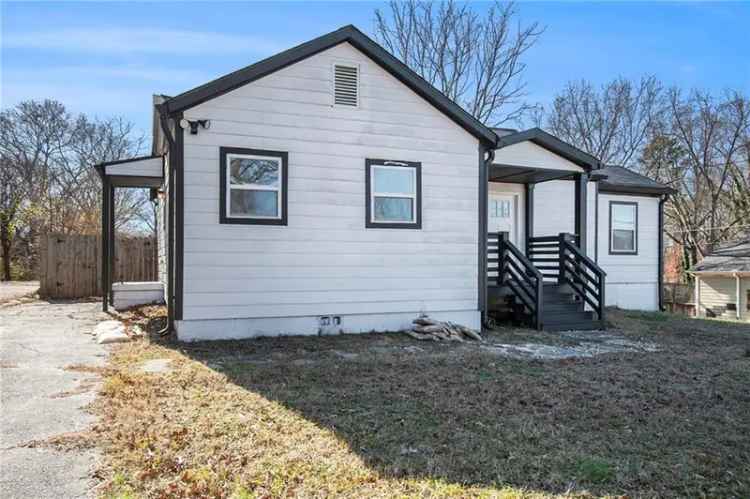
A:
(345, 85)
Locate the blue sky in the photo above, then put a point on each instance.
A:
(108, 58)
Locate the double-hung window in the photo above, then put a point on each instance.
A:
(623, 228)
(253, 186)
(394, 194)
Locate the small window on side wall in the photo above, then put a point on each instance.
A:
(623, 228)
(394, 194)
(253, 186)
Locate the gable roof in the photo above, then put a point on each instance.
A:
(551, 143)
(729, 257)
(622, 180)
(359, 40)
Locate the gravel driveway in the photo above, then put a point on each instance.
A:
(40, 399)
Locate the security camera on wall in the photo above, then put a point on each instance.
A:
(193, 125)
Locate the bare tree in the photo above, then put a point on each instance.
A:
(47, 176)
(701, 150)
(611, 123)
(476, 60)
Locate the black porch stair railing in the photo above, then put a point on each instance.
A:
(544, 253)
(513, 269)
(581, 273)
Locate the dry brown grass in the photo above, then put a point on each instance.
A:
(290, 417)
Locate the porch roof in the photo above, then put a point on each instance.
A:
(622, 180)
(513, 174)
(143, 171)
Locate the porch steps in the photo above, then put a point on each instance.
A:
(563, 312)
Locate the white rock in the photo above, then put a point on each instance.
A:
(112, 337)
(110, 332)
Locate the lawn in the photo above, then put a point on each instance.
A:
(373, 416)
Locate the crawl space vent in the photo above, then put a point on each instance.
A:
(345, 85)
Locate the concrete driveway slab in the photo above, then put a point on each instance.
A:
(41, 399)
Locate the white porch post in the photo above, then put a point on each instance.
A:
(697, 296)
(738, 299)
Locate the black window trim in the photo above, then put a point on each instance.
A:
(612, 251)
(224, 217)
(369, 223)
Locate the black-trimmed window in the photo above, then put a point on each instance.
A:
(623, 228)
(393, 194)
(253, 186)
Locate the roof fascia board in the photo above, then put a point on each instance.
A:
(606, 188)
(360, 41)
(129, 160)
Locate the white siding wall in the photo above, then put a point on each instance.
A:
(325, 262)
(554, 208)
(717, 291)
(150, 167)
(529, 154)
(632, 280)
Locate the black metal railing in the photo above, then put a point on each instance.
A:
(581, 273)
(508, 266)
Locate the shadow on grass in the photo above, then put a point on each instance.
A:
(667, 424)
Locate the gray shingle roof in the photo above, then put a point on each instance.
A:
(620, 179)
(730, 257)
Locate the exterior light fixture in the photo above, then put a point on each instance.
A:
(193, 125)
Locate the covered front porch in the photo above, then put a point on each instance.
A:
(143, 172)
(541, 239)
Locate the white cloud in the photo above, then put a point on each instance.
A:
(139, 40)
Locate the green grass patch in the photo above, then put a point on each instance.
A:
(594, 470)
(649, 316)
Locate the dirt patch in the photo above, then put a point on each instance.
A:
(85, 368)
(66, 442)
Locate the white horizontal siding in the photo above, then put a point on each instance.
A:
(632, 280)
(150, 167)
(554, 208)
(327, 308)
(529, 154)
(324, 262)
(717, 291)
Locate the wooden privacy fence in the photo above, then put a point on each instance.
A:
(71, 265)
(678, 298)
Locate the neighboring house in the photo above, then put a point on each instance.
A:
(330, 188)
(722, 282)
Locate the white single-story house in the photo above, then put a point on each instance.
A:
(329, 188)
(722, 282)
